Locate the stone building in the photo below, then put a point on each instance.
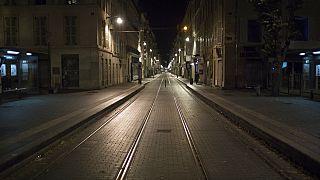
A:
(74, 44)
(225, 41)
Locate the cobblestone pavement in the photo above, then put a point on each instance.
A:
(101, 155)
(163, 152)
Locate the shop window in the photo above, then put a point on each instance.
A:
(254, 31)
(13, 70)
(3, 70)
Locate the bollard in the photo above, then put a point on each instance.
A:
(165, 83)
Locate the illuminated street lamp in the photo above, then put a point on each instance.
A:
(179, 50)
(185, 28)
(187, 39)
(119, 20)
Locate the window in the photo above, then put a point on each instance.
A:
(254, 31)
(3, 70)
(301, 26)
(10, 2)
(70, 30)
(10, 31)
(71, 2)
(13, 70)
(103, 35)
(25, 70)
(40, 2)
(40, 31)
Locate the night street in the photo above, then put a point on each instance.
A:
(163, 151)
(159, 89)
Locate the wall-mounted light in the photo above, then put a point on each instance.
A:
(13, 52)
(179, 50)
(302, 54)
(150, 50)
(29, 54)
(316, 52)
(144, 43)
(187, 39)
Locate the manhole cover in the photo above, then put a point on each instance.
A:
(163, 130)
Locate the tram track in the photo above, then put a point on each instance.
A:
(65, 152)
(191, 142)
(85, 138)
(270, 156)
(124, 168)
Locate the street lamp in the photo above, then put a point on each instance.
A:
(185, 28)
(187, 39)
(119, 20)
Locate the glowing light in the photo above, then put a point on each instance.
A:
(13, 52)
(316, 52)
(29, 54)
(119, 20)
(187, 39)
(185, 28)
(302, 54)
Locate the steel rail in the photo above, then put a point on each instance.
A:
(191, 142)
(109, 119)
(133, 148)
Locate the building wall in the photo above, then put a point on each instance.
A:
(102, 54)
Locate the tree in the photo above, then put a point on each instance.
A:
(278, 20)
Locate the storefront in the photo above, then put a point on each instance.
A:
(19, 70)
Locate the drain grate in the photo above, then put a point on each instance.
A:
(164, 130)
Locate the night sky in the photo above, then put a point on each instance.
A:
(164, 17)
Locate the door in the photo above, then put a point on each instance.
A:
(70, 70)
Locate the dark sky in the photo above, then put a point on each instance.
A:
(164, 16)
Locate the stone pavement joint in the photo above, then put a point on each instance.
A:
(300, 147)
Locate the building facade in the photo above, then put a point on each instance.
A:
(224, 46)
(76, 44)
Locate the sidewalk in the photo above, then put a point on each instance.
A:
(31, 123)
(289, 124)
